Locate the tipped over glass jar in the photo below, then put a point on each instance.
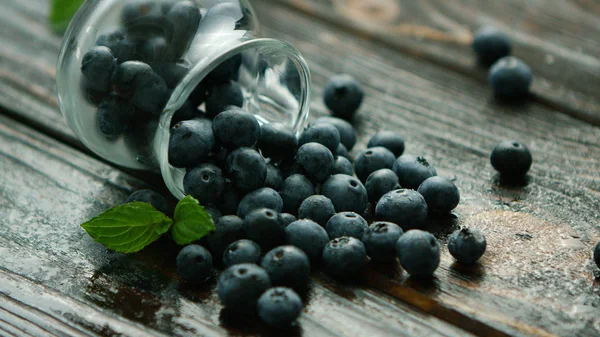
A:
(129, 70)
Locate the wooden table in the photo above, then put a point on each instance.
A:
(421, 79)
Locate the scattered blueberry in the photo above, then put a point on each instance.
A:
(274, 177)
(223, 97)
(347, 224)
(467, 245)
(317, 208)
(228, 229)
(490, 45)
(419, 253)
(343, 95)
(404, 207)
(264, 227)
(308, 236)
(344, 257)
(381, 182)
(510, 77)
(247, 169)
(441, 194)
(156, 200)
(194, 263)
(191, 142)
(286, 219)
(279, 307)
(241, 285)
(241, 251)
(597, 254)
(346, 193)
(205, 183)
(236, 128)
(345, 129)
(98, 66)
(390, 140)
(277, 141)
(324, 134)
(511, 158)
(371, 160)
(412, 171)
(342, 166)
(380, 240)
(261, 198)
(114, 116)
(295, 189)
(287, 266)
(315, 160)
(230, 199)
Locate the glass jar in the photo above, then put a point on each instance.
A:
(190, 46)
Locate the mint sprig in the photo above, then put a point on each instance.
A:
(130, 227)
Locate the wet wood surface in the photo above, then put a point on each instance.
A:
(536, 279)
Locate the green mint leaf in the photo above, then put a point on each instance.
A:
(61, 13)
(192, 223)
(128, 228)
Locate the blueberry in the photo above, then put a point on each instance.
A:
(419, 253)
(381, 182)
(184, 17)
(186, 112)
(346, 130)
(390, 140)
(277, 141)
(247, 169)
(230, 199)
(98, 66)
(295, 189)
(191, 142)
(194, 263)
(241, 251)
(511, 158)
(128, 75)
(347, 224)
(597, 254)
(324, 134)
(90, 94)
(241, 285)
(308, 236)
(342, 166)
(290, 167)
(274, 177)
(114, 116)
(205, 183)
(264, 227)
(380, 240)
(346, 193)
(228, 70)
(172, 74)
(286, 219)
(124, 49)
(441, 194)
(317, 208)
(199, 94)
(344, 257)
(467, 245)
(371, 160)
(261, 198)
(510, 77)
(490, 45)
(228, 229)
(156, 200)
(404, 207)
(342, 152)
(287, 266)
(343, 95)
(236, 128)
(279, 307)
(412, 171)
(155, 49)
(137, 81)
(223, 97)
(214, 212)
(315, 160)
(143, 18)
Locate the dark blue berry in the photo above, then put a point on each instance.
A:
(261, 198)
(342, 152)
(156, 200)
(295, 189)
(224, 97)
(123, 49)
(597, 254)
(317, 208)
(264, 227)
(510, 77)
(344, 257)
(324, 134)
(91, 95)
(290, 167)
(194, 263)
(241, 285)
(214, 212)
(205, 183)
(371, 160)
(277, 141)
(342, 166)
(380, 240)
(343, 95)
(98, 66)
(228, 228)
(467, 245)
(308, 236)
(346, 130)
(441, 194)
(227, 71)
(191, 142)
(137, 81)
(236, 128)
(186, 112)
(412, 171)
(230, 199)
(347, 224)
(511, 158)
(286, 219)
(315, 160)
(404, 207)
(172, 73)
(155, 49)
(143, 18)
(184, 17)
(247, 169)
(381, 182)
(346, 193)
(390, 140)
(490, 45)
(279, 307)
(241, 251)
(419, 253)
(114, 116)
(274, 177)
(287, 266)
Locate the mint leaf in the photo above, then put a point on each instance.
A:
(128, 228)
(192, 223)
(61, 13)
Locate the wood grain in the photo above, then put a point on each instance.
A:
(558, 39)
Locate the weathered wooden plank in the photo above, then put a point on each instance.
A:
(55, 278)
(558, 39)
